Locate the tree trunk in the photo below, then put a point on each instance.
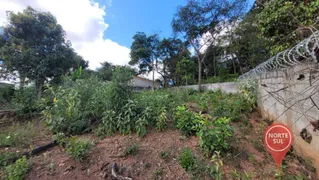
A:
(234, 64)
(39, 84)
(199, 75)
(153, 79)
(22, 81)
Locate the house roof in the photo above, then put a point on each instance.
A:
(143, 78)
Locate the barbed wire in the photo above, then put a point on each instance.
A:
(304, 52)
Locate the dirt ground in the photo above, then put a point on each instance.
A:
(248, 158)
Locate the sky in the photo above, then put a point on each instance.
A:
(102, 30)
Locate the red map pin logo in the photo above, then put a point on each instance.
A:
(278, 139)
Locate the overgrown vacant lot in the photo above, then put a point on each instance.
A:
(89, 129)
(158, 154)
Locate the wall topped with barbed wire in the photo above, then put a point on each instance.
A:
(288, 92)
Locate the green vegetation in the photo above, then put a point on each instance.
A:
(164, 155)
(73, 100)
(20, 135)
(131, 149)
(187, 121)
(215, 135)
(157, 174)
(18, 170)
(197, 167)
(6, 158)
(78, 148)
(187, 160)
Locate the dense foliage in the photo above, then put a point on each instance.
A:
(18, 170)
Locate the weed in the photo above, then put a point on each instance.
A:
(164, 155)
(157, 174)
(108, 124)
(187, 159)
(214, 136)
(127, 118)
(60, 138)
(66, 114)
(251, 158)
(147, 165)
(142, 122)
(258, 145)
(18, 170)
(7, 157)
(121, 170)
(78, 148)
(51, 168)
(234, 174)
(131, 149)
(245, 126)
(161, 121)
(247, 176)
(20, 135)
(188, 122)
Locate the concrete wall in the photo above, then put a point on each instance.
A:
(291, 97)
(228, 87)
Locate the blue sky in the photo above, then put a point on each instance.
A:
(126, 17)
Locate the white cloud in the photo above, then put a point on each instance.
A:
(83, 21)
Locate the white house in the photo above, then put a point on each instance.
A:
(140, 82)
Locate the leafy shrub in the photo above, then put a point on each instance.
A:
(66, 114)
(108, 125)
(187, 160)
(142, 122)
(127, 117)
(188, 122)
(25, 101)
(120, 89)
(228, 105)
(78, 148)
(18, 170)
(60, 138)
(99, 102)
(6, 157)
(248, 89)
(6, 93)
(76, 103)
(214, 136)
(161, 121)
(156, 101)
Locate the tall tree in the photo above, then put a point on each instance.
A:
(106, 71)
(36, 47)
(186, 70)
(169, 48)
(205, 17)
(286, 23)
(144, 53)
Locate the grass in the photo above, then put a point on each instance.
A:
(131, 149)
(6, 158)
(157, 174)
(19, 135)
